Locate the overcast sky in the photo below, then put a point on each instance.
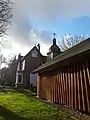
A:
(34, 21)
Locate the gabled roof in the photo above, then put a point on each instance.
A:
(75, 50)
(30, 52)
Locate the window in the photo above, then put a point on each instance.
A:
(23, 65)
(20, 78)
(18, 67)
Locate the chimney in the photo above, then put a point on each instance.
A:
(38, 46)
(19, 57)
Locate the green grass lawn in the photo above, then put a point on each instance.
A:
(20, 105)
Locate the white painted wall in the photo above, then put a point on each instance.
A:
(33, 79)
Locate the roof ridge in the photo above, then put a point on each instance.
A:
(30, 51)
(77, 49)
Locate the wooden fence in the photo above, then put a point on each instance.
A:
(68, 86)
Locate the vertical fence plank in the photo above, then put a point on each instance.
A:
(72, 87)
(61, 88)
(58, 85)
(56, 90)
(50, 88)
(66, 90)
(88, 72)
(53, 89)
(86, 88)
(88, 79)
(80, 86)
(38, 85)
(67, 87)
(79, 106)
(64, 86)
(77, 93)
(75, 88)
(82, 89)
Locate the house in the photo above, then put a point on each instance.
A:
(26, 64)
(65, 79)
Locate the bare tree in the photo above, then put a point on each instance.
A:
(5, 18)
(5, 15)
(8, 74)
(69, 41)
(2, 60)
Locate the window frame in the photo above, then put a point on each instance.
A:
(18, 66)
(23, 65)
(21, 78)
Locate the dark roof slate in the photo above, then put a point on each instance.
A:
(30, 52)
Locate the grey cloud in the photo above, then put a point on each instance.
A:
(21, 28)
(28, 10)
(23, 32)
(51, 9)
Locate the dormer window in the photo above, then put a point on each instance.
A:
(34, 53)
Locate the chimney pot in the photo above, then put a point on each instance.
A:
(38, 47)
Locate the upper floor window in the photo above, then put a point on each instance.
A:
(18, 66)
(23, 65)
